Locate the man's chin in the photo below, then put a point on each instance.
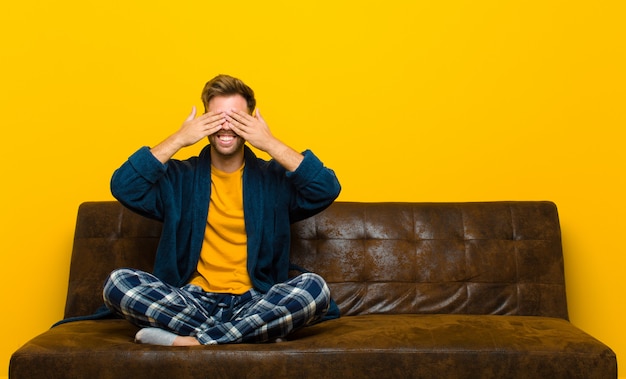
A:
(230, 151)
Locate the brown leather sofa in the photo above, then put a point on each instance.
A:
(426, 290)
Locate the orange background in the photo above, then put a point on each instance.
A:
(407, 101)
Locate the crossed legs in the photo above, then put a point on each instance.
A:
(196, 317)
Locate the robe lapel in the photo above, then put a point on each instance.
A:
(201, 199)
(253, 201)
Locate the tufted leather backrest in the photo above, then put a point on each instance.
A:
(469, 258)
(473, 258)
(108, 236)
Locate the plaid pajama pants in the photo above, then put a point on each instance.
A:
(215, 318)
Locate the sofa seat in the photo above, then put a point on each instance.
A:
(364, 346)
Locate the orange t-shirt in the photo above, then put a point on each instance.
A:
(223, 260)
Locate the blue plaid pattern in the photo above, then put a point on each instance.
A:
(215, 318)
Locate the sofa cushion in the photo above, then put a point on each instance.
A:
(368, 346)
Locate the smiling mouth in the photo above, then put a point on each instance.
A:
(226, 137)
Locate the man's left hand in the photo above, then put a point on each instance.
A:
(253, 129)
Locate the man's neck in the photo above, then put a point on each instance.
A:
(227, 163)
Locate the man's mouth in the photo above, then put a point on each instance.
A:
(226, 137)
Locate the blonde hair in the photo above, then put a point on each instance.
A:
(226, 85)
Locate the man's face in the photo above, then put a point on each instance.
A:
(225, 142)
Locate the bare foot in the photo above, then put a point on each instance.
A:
(186, 341)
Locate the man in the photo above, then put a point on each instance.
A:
(221, 269)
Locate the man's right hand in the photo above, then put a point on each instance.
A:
(192, 131)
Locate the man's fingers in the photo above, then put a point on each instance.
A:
(234, 122)
(240, 116)
(192, 115)
(211, 120)
(257, 113)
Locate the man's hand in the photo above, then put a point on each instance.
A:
(192, 130)
(254, 129)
